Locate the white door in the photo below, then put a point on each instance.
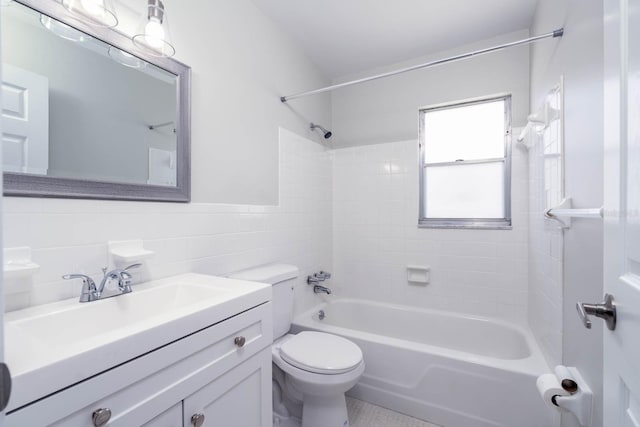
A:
(25, 121)
(5, 383)
(622, 211)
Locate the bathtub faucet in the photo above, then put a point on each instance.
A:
(321, 289)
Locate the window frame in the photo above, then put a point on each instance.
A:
(471, 223)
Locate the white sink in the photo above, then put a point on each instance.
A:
(52, 346)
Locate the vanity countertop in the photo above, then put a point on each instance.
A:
(53, 346)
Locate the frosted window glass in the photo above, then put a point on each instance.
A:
(468, 132)
(465, 191)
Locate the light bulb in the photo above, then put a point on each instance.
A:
(154, 33)
(93, 7)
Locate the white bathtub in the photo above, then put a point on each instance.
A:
(450, 369)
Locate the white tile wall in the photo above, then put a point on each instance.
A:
(70, 236)
(546, 245)
(352, 210)
(375, 235)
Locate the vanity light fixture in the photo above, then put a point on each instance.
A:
(153, 37)
(99, 13)
(61, 29)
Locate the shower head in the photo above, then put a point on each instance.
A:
(327, 134)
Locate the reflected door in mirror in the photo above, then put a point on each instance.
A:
(25, 121)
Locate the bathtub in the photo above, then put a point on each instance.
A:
(451, 369)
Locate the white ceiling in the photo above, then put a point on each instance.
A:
(348, 36)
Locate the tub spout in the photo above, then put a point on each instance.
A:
(321, 289)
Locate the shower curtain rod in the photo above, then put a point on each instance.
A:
(556, 33)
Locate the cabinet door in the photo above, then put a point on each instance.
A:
(172, 417)
(239, 398)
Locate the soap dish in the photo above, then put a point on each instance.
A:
(18, 264)
(128, 251)
(418, 274)
(17, 270)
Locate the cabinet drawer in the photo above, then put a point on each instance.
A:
(141, 389)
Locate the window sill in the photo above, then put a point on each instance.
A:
(466, 224)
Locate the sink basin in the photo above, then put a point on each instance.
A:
(52, 346)
(74, 324)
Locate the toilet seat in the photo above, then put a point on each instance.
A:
(321, 353)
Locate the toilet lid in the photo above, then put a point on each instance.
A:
(321, 353)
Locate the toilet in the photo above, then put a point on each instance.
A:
(311, 370)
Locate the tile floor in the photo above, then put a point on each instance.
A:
(363, 414)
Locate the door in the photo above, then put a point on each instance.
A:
(622, 211)
(239, 398)
(5, 381)
(25, 121)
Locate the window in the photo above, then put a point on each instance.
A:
(465, 160)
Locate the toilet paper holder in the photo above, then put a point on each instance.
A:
(579, 400)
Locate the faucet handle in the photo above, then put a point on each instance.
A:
(124, 284)
(89, 291)
(125, 279)
(325, 274)
(313, 280)
(86, 280)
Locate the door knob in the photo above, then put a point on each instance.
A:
(605, 311)
(239, 341)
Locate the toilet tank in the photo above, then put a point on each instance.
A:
(282, 278)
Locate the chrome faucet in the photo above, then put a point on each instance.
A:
(90, 292)
(321, 289)
(321, 276)
(324, 275)
(314, 280)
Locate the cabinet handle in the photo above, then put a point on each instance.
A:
(197, 420)
(239, 341)
(101, 417)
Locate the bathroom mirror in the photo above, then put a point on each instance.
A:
(88, 115)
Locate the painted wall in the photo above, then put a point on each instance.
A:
(375, 236)
(386, 110)
(241, 64)
(579, 57)
(70, 236)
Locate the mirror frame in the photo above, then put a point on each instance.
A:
(29, 185)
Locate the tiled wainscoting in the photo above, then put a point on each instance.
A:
(70, 236)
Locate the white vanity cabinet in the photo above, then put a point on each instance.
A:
(170, 418)
(222, 372)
